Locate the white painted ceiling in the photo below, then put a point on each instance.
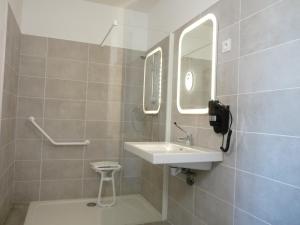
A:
(137, 5)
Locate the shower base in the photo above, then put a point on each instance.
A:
(129, 210)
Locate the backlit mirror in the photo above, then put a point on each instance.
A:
(196, 79)
(152, 81)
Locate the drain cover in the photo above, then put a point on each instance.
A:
(91, 204)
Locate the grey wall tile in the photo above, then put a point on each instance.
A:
(266, 70)
(106, 55)
(104, 73)
(30, 107)
(90, 188)
(32, 66)
(243, 218)
(97, 92)
(104, 92)
(219, 181)
(259, 32)
(99, 130)
(271, 156)
(131, 167)
(33, 45)
(60, 109)
(65, 89)
(61, 152)
(28, 149)
(7, 131)
(26, 191)
(62, 113)
(25, 130)
(133, 95)
(206, 207)
(62, 169)
(66, 69)
(10, 79)
(67, 49)
(89, 173)
(60, 189)
(132, 58)
(182, 193)
(9, 105)
(109, 111)
(273, 202)
(249, 7)
(227, 78)
(130, 185)
(177, 215)
(9, 74)
(27, 170)
(153, 195)
(103, 149)
(134, 76)
(261, 112)
(31, 87)
(230, 32)
(65, 129)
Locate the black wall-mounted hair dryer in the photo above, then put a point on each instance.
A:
(220, 118)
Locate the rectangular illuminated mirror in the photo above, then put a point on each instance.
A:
(152, 81)
(196, 81)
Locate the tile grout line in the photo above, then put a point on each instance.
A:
(265, 49)
(43, 118)
(251, 215)
(85, 120)
(84, 61)
(260, 11)
(268, 134)
(269, 179)
(237, 116)
(16, 128)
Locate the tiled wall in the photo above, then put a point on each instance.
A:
(152, 175)
(258, 181)
(8, 118)
(76, 91)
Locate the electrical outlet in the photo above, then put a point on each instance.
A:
(226, 45)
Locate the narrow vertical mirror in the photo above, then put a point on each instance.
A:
(197, 66)
(152, 81)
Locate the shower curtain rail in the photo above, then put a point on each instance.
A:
(32, 120)
(115, 23)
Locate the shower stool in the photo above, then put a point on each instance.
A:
(107, 170)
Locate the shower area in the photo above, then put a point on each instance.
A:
(67, 104)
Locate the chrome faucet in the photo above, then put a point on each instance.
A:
(188, 138)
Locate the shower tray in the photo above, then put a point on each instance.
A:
(129, 210)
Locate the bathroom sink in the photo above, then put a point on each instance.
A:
(175, 154)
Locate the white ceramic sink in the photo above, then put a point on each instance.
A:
(175, 154)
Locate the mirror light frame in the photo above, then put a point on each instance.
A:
(158, 49)
(191, 27)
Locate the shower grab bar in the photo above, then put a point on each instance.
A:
(32, 120)
(115, 23)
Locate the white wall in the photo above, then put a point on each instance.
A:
(169, 15)
(85, 21)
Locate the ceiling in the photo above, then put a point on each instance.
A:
(137, 5)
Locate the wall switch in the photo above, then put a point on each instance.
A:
(226, 45)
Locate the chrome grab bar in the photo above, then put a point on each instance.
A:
(32, 120)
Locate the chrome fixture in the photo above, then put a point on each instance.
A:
(188, 138)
